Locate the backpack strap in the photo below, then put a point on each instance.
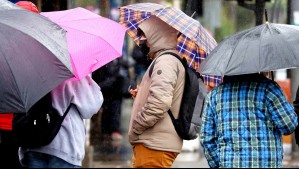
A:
(67, 110)
(174, 54)
(171, 53)
(184, 63)
(151, 68)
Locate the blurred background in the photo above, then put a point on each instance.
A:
(221, 18)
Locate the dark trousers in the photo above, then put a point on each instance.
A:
(111, 116)
(8, 151)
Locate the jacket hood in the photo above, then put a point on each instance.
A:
(160, 36)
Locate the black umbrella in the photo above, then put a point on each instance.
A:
(266, 47)
(33, 58)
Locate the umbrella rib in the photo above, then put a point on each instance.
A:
(71, 12)
(133, 25)
(289, 49)
(138, 22)
(83, 19)
(248, 33)
(202, 43)
(185, 27)
(237, 45)
(259, 62)
(200, 39)
(50, 39)
(193, 21)
(293, 28)
(129, 15)
(18, 91)
(83, 31)
(197, 24)
(181, 48)
(174, 19)
(61, 16)
(92, 34)
(160, 11)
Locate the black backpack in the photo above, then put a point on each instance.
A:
(189, 120)
(39, 126)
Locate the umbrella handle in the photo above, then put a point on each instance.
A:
(272, 75)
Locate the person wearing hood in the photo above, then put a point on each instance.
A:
(151, 133)
(67, 150)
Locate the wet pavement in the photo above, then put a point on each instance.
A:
(117, 154)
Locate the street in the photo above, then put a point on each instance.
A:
(117, 154)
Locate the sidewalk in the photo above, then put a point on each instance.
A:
(118, 155)
(291, 161)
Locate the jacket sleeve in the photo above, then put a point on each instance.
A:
(88, 97)
(282, 112)
(163, 81)
(208, 133)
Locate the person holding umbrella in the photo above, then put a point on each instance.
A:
(243, 121)
(8, 148)
(67, 150)
(151, 132)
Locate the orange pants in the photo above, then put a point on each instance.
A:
(147, 158)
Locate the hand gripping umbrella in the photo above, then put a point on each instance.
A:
(194, 42)
(33, 58)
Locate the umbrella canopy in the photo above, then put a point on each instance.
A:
(195, 42)
(266, 47)
(33, 58)
(4, 5)
(92, 40)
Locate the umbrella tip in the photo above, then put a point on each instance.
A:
(193, 14)
(266, 15)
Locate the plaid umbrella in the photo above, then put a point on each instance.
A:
(195, 43)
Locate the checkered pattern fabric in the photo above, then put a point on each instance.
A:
(194, 44)
(242, 124)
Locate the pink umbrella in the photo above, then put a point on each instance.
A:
(92, 40)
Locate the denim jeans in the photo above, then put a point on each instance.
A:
(41, 160)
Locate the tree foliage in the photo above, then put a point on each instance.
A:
(84, 3)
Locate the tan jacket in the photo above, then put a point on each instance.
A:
(150, 123)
